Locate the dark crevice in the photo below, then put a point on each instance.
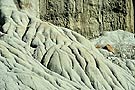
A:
(58, 83)
(18, 4)
(33, 55)
(35, 34)
(69, 37)
(26, 30)
(42, 60)
(83, 81)
(92, 83)
(69, 76)
(97, 64)
(9, 67)
(43, 57)
(49, 63)
(117, 78)
(19, 80)
(33, 45)
(86, 65)
(24, 83)
(79, 51)
(76, 57)
(2, 21)
(56, 41)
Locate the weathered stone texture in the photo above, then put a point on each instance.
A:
(89, 17)
(37, 55)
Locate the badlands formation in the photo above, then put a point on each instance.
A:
(37, 55)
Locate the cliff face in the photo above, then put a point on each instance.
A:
(89, 17)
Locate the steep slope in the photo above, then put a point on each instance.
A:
(89, 17)
(37, 55)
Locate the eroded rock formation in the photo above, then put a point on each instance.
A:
(37, 55)
(122, 51)
(89, 17)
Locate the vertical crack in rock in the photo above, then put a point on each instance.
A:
(89, 18)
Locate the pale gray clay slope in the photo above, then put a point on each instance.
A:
(123, 46)
(36, 55)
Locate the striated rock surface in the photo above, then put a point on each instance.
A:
(37, 55)
(121, 50)
(89, 17)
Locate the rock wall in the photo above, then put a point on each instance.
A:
(89, 17)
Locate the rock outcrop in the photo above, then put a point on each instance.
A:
(89, 17)
(122, 43)
(123, 47)
(37, 55)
